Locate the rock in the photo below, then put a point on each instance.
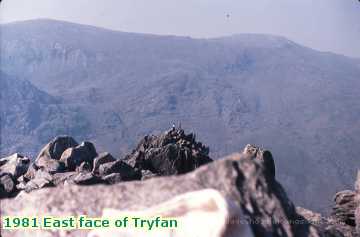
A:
(30, 174)
(84, 167)
(86, 179)
(7, 185)
(16, 165)
(55, 148)
(73, 157)
(50, 165)
(328, 227)
(170, 153)
(147, 174)
(42, 179)
(127, 172)
(61, 178)
(264, 156)
(207, 210)
(245, 182)
(112, 178)
(345, 205)
(50, 154)
(102, 158)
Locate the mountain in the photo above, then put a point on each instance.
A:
(29, 116)
(302, 104)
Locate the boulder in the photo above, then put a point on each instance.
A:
(16, 165)
(7, 185)
(50, 154)
(244, 182)
(55, 148)
(102, 158)
(74, 156)
(126, 171)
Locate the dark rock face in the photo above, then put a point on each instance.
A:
(49, 156)
(119, 167)
(74, 156)
(171, 153)
(344, 220)
(345, 205)
(328, 227)
(7, 185)
(55, 148)
(264, 156)
(102, 158)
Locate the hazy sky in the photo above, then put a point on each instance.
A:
(328, 25)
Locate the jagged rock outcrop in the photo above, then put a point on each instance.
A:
(345, 205)
(171, 153)
(64, 160)
(264, 156)
(242, 181)
(344, 219)
(327, 226)
(245, 180)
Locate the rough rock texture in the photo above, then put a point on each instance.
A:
(64, 161)
(328, 226)
(55, 148)
(171, 153)
(74, 156)
(264, 156)
(243, 181)
(102, 158)
(16, 165)
(345, 205)
(49, 156)
(119, 167)
(7, 185)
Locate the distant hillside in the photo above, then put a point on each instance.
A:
(29, 116)
(302, 104)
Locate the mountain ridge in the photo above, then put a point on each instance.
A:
(300, 103)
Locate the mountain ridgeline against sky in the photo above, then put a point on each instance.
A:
(113, 87)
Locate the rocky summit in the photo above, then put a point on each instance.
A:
(168, 175)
